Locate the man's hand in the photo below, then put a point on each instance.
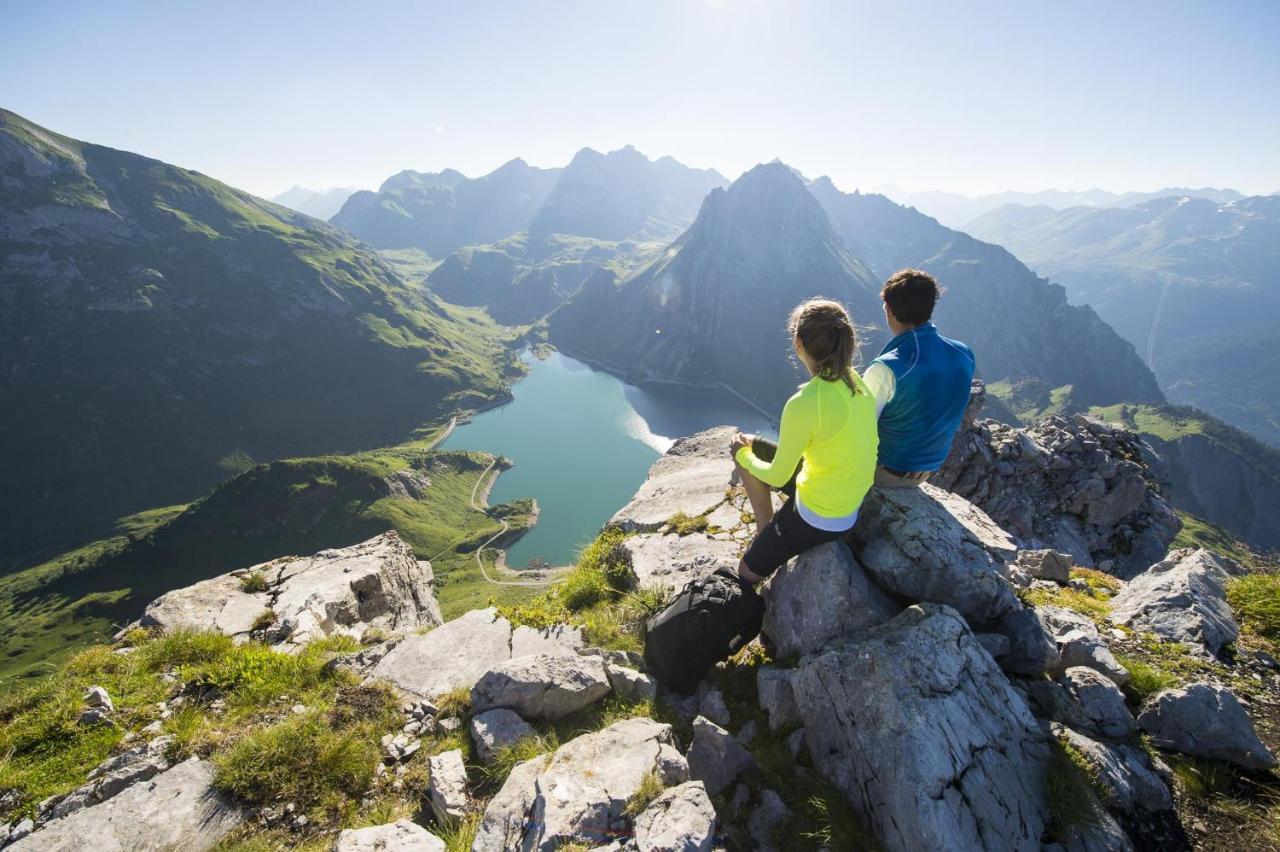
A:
(740, 440)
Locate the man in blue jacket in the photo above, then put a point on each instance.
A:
(920, 381)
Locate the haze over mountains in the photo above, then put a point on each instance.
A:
(1193, 283)
(321, 204)
(956, 210)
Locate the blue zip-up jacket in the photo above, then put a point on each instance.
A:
(931, 376)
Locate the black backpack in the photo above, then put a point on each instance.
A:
(708, 621)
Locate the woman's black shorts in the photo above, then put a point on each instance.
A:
(788, 534)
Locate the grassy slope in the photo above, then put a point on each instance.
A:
(295, 506)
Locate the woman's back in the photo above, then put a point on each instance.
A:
(840, 456)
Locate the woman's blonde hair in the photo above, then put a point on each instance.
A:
(829, 339)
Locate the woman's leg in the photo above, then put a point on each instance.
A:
(759, 494)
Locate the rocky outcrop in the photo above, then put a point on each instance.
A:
(580, 793)
(682, 819)
(1071, 484)
(177, 809)
(821, 596)
(669, 561)
(112, 777)
(1182, 598)
(691, 477)
(926, 544)
(1205, 720)
(1079, 644)
(447, 790)
(398, 836)
(966, 755)
(543, 686)
(457, 654)
(375, 585)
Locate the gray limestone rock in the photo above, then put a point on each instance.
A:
(1031, 649)
(1085, 700)
(1181, 599)
(691, 478)
(927, 544)
(112, 777)
(712, 706)
(996, 644)
(1128, 779)
(669, 561)
(447, 788)
(1045, 564)
(629, 684)
(715, 757)
(1080, 644)
(682, 819)
(1205, 720)
(821, 596)
(557, 639)
(399, 836)
(920, 696)
(580, 793)
(377, 584)
(177, 809)
(497, 729)
(544, 686)
(777, 700)
(766, 820)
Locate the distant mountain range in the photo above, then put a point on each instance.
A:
(159, 329)
(956, 210)
(711, 308)
(1193, 283)
(321, 203)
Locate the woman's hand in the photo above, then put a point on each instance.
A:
(740, 440)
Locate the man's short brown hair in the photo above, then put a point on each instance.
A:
(911, 295)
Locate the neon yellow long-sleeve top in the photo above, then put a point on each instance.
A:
(834, 431)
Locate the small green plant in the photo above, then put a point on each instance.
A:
(1070, 790)
(1091, 604)
(509, 757)
(1255, 598)
(1145, 679)
(264, 619)
(685, 525)
(253, 581)
(650, 789)
(456, 702)
(1098, 581)
(459, 835)
(644, 602)
(830, 822)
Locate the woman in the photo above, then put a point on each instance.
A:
(825, 458)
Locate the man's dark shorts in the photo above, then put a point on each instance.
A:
(788, 534)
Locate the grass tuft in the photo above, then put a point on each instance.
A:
(650, 789)
(1146, 679)
(1070, 789)
(1255, 599)
(253, 581)
(685, 525)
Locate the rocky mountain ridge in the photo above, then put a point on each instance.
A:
(974, 667)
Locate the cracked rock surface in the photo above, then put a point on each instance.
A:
(1182, 598)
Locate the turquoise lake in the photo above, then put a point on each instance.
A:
(582, 441)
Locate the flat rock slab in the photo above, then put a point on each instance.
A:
(1181, 599)
(691, 478)
(544, 686)
(580, 793)
(917, 726)
(682, 819)
(1205, 720)
(821, 596)
(458, 653)
(177, 809)
(374, 585)
(927, 544)
(669, 561)
(398, 836)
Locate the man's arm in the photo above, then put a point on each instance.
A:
(881, 383)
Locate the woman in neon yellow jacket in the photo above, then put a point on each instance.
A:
(825, 458)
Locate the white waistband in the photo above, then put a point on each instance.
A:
(826, 524)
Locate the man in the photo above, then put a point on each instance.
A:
(920, 381)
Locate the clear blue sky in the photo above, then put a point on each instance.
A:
(966, 96)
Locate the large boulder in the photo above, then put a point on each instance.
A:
(1072, 484)
(669, 561)
(458, 653)
(927, 544)
(682, 819)
(398, 836)
(1182, 598)
(923, 734)
(691, 478)
(1205, 720)
(544, 686)
(177, 809)
(580, 793)
(374, 585)
(821, 596)
(1079, 644)
(1085, 700)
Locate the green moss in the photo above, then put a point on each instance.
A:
(1093, 604)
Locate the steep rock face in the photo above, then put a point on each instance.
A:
(1182, 598)
(1071, 484)
(377, 584)
(713, 308)
(1016, 322)
(935, 749)
(177, 809)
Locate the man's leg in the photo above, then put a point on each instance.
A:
(759, 494)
